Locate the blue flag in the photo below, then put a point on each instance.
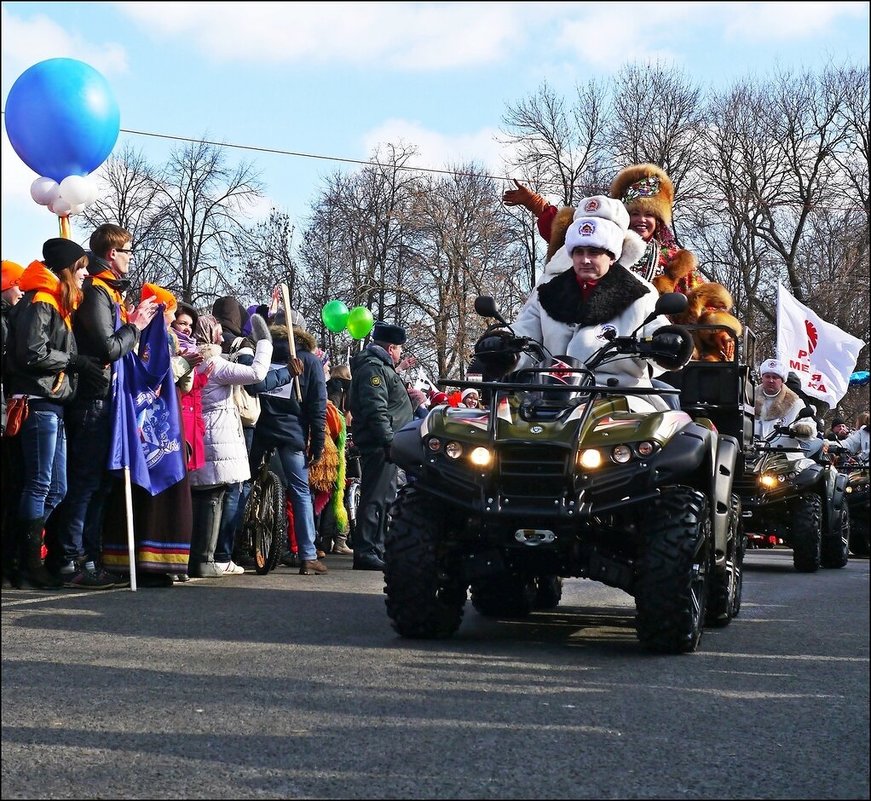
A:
(146, 419)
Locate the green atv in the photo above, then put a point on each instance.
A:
(557, 478)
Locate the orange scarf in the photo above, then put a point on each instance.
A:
(100, 280)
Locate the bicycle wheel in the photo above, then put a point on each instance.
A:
(266, 521)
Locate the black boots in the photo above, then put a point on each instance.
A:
(32, 566)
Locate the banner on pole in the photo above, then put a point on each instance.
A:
(146, 419)
(819, 353)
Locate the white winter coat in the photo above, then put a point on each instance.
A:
(226, 456)
(857, 442)
(553, 317)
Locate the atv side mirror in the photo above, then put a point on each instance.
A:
(808, 411)
(486, 307)
(671, 303)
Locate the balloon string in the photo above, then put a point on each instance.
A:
(64, 225)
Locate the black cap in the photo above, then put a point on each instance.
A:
(838, 421)
(385, 332)
(60, 253)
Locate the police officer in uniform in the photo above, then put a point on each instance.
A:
(379, 405)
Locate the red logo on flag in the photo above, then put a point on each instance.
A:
(812, 336)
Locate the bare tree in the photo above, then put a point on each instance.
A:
(202, 203)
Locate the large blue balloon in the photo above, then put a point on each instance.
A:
(62, 118)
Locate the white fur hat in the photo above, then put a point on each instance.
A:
(774, 366)
(600, 222)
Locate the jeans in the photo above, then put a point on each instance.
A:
(377, 491)
(295, 471)
(89, 483)
(44, 453)
(206, 504)
(231, 516)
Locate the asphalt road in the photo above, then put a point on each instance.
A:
(288, 686)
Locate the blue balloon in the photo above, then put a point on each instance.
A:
(62, 118)
(859, 378)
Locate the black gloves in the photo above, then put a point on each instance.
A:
(92, 377)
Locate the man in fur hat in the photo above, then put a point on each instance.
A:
(777, 404)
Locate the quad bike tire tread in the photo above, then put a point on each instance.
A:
(422, 601)
(806, 532)
(672, 573)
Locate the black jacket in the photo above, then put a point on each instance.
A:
(378, 401)
(94, 323)
(38, 349)
(283, 420)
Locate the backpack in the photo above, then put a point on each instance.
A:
(248, 405)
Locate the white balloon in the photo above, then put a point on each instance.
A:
(75, 189)
(60, 206)
(94, 189)
(77, 209)
(43, 190)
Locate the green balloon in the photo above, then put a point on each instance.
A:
(335, 316)
(360, 322)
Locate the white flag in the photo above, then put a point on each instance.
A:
(821, 354)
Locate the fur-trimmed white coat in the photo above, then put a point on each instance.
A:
(781, 410)
(226, 457)
(556, 316)
(858, 443)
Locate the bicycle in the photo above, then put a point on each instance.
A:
(264, 521)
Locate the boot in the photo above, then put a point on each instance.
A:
(340, 544)
(37, 575)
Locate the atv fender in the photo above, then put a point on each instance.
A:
(805, 480)
(689, 451)
(721, 493)
(834, 489)
(407, 448)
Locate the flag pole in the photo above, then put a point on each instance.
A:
(128, 510)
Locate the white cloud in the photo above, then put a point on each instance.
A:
(437, 150)
(27, 42)
(760, 22)
(407, 35)
(15, 176)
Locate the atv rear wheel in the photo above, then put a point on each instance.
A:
(860, 540)
(671, 585)
(807, 532)
(506, 595)
(549, 592)
(724, 598)
(423, 600)
(835, 550)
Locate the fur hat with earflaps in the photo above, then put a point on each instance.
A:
(646, 188)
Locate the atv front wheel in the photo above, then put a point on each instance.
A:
(671, 585)
(835, 550)
(807, 532)
(423, 600)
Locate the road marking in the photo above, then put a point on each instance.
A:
(43, 598)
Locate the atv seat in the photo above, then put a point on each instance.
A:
(723, 392)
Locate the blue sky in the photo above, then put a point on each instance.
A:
(336, 79)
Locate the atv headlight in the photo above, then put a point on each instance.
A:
(480, 457)
(454, 450)
(646, 448)
(434, 444)
(591, 459)
(621, 453)
(768, 481)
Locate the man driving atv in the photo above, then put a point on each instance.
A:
(577, 311)
(777, 404)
